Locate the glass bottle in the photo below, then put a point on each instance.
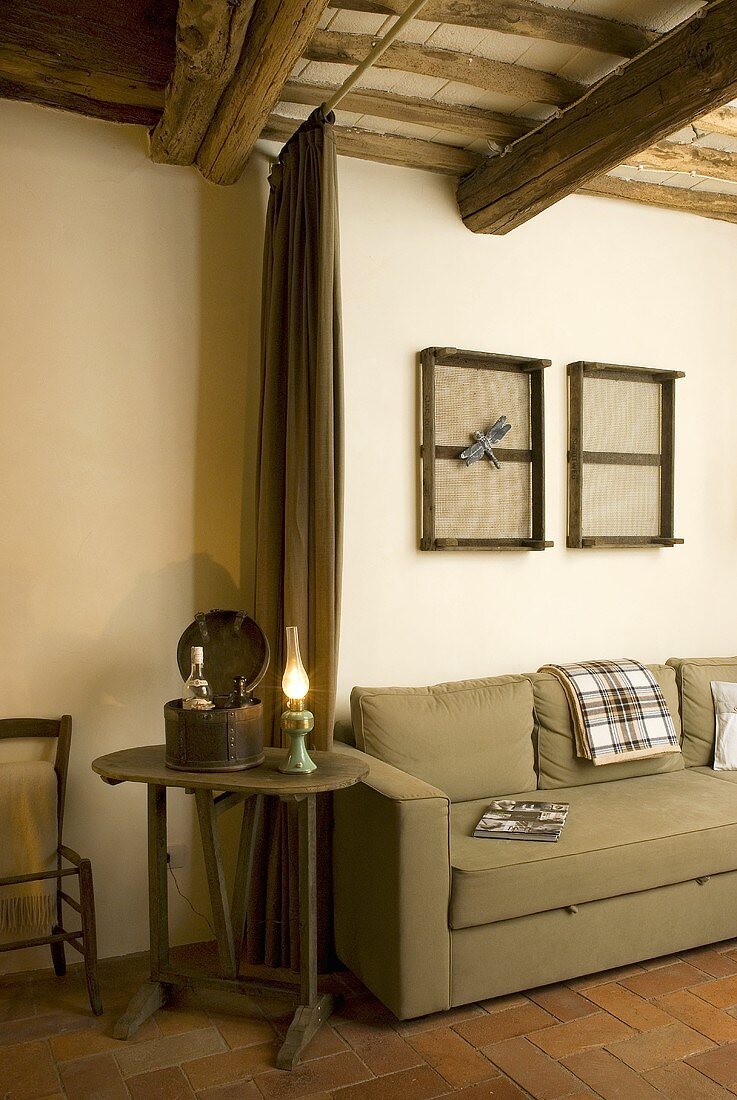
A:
(196, 694)
(240, 695)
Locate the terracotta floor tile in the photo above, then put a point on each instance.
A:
(655, 1048)
(497, 1026)
(439, 1019)
(320, 1075)
(658, 961)
(616, 974)
(454, 1059)
(714, 1023)
(562, 1001)
(242, 1090)
(598, 1030)
(500, 1004)
(16, 1002)
(326, 1041)
(496, 1088)
(80, 1044)
(242, 1031)
(680, 1081)
(169, 1051)
(721, 993)
(419, 1083)
(42, 1027)
(718, 964)
(161, 1084)
(173, 1021)
(26, 1070)
(95, 1078)
(530, 1068)
(387, 1053)
(664, 979)
(628, 1007)
(720, 1064)
(231, 1065)
(608, 1077)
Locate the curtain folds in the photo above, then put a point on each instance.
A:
(300, 499)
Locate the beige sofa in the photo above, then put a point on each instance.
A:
(429, 917)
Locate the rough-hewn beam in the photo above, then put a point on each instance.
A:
(210, 36)
(423, 112)
(668, 156)
(707, 204)
(386, 148)
(689, 71)
(722, 121)
(522, 17)
(277, 36)
(481, 72)
(109, 60)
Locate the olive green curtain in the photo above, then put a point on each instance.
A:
(300, 499)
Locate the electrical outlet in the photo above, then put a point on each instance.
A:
(176, 855)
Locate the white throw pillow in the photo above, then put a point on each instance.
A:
(725, 712)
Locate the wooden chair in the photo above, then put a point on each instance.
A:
(85, 939)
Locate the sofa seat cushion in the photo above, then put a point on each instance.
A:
(620, 838)
(557, 761)
(471, 739)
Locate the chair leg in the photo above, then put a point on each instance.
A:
(57, 953)
(89, 935)
(58, 956)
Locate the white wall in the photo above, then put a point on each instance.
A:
(129, 304)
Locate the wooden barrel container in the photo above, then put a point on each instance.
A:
(226, 738)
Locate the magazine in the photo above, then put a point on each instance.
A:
(505, 819)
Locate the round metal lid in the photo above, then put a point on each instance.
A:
(234, 645)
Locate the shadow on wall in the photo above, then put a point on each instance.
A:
(231, 244)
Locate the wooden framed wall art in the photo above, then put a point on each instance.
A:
(483, 461)
(620, 455)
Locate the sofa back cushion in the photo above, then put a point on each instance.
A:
(694, 676)
(558, 765)
(472, 739)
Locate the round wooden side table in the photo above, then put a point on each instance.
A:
(215, 792)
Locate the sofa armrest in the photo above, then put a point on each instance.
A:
(391, 860)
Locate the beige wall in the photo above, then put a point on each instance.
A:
(129, 301)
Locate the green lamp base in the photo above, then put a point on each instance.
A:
(296, 724)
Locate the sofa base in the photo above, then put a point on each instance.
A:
(508, 956)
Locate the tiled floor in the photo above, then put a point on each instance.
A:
(664, 1028)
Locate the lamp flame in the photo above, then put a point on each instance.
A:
(295, 682)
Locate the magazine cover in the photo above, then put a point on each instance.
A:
(505, 819)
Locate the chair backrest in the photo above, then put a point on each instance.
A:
(59, 728)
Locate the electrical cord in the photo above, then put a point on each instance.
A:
(184, 897)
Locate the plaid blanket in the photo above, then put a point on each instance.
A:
(618, 710)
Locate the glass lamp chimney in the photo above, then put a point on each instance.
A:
(295, 682)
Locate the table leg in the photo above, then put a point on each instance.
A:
(153, 993)
(216, 880)
(314, 1009)
(252, 812)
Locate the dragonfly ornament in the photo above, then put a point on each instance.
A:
(485, 442)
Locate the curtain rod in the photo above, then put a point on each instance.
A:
(373, 56)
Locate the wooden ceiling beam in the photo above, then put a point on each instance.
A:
(687, 72)
(721, 121)
(385, 148)
(481, 72)
(525, 18)
(108, 60)
(472, 121)
(707, 204)
(277, 36)
(209, 40)
(669, 156)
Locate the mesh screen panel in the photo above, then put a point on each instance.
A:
(620, 500)
(481, 502)
(621, 416)
(467, 401)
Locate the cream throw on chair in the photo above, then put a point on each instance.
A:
(28, 843)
